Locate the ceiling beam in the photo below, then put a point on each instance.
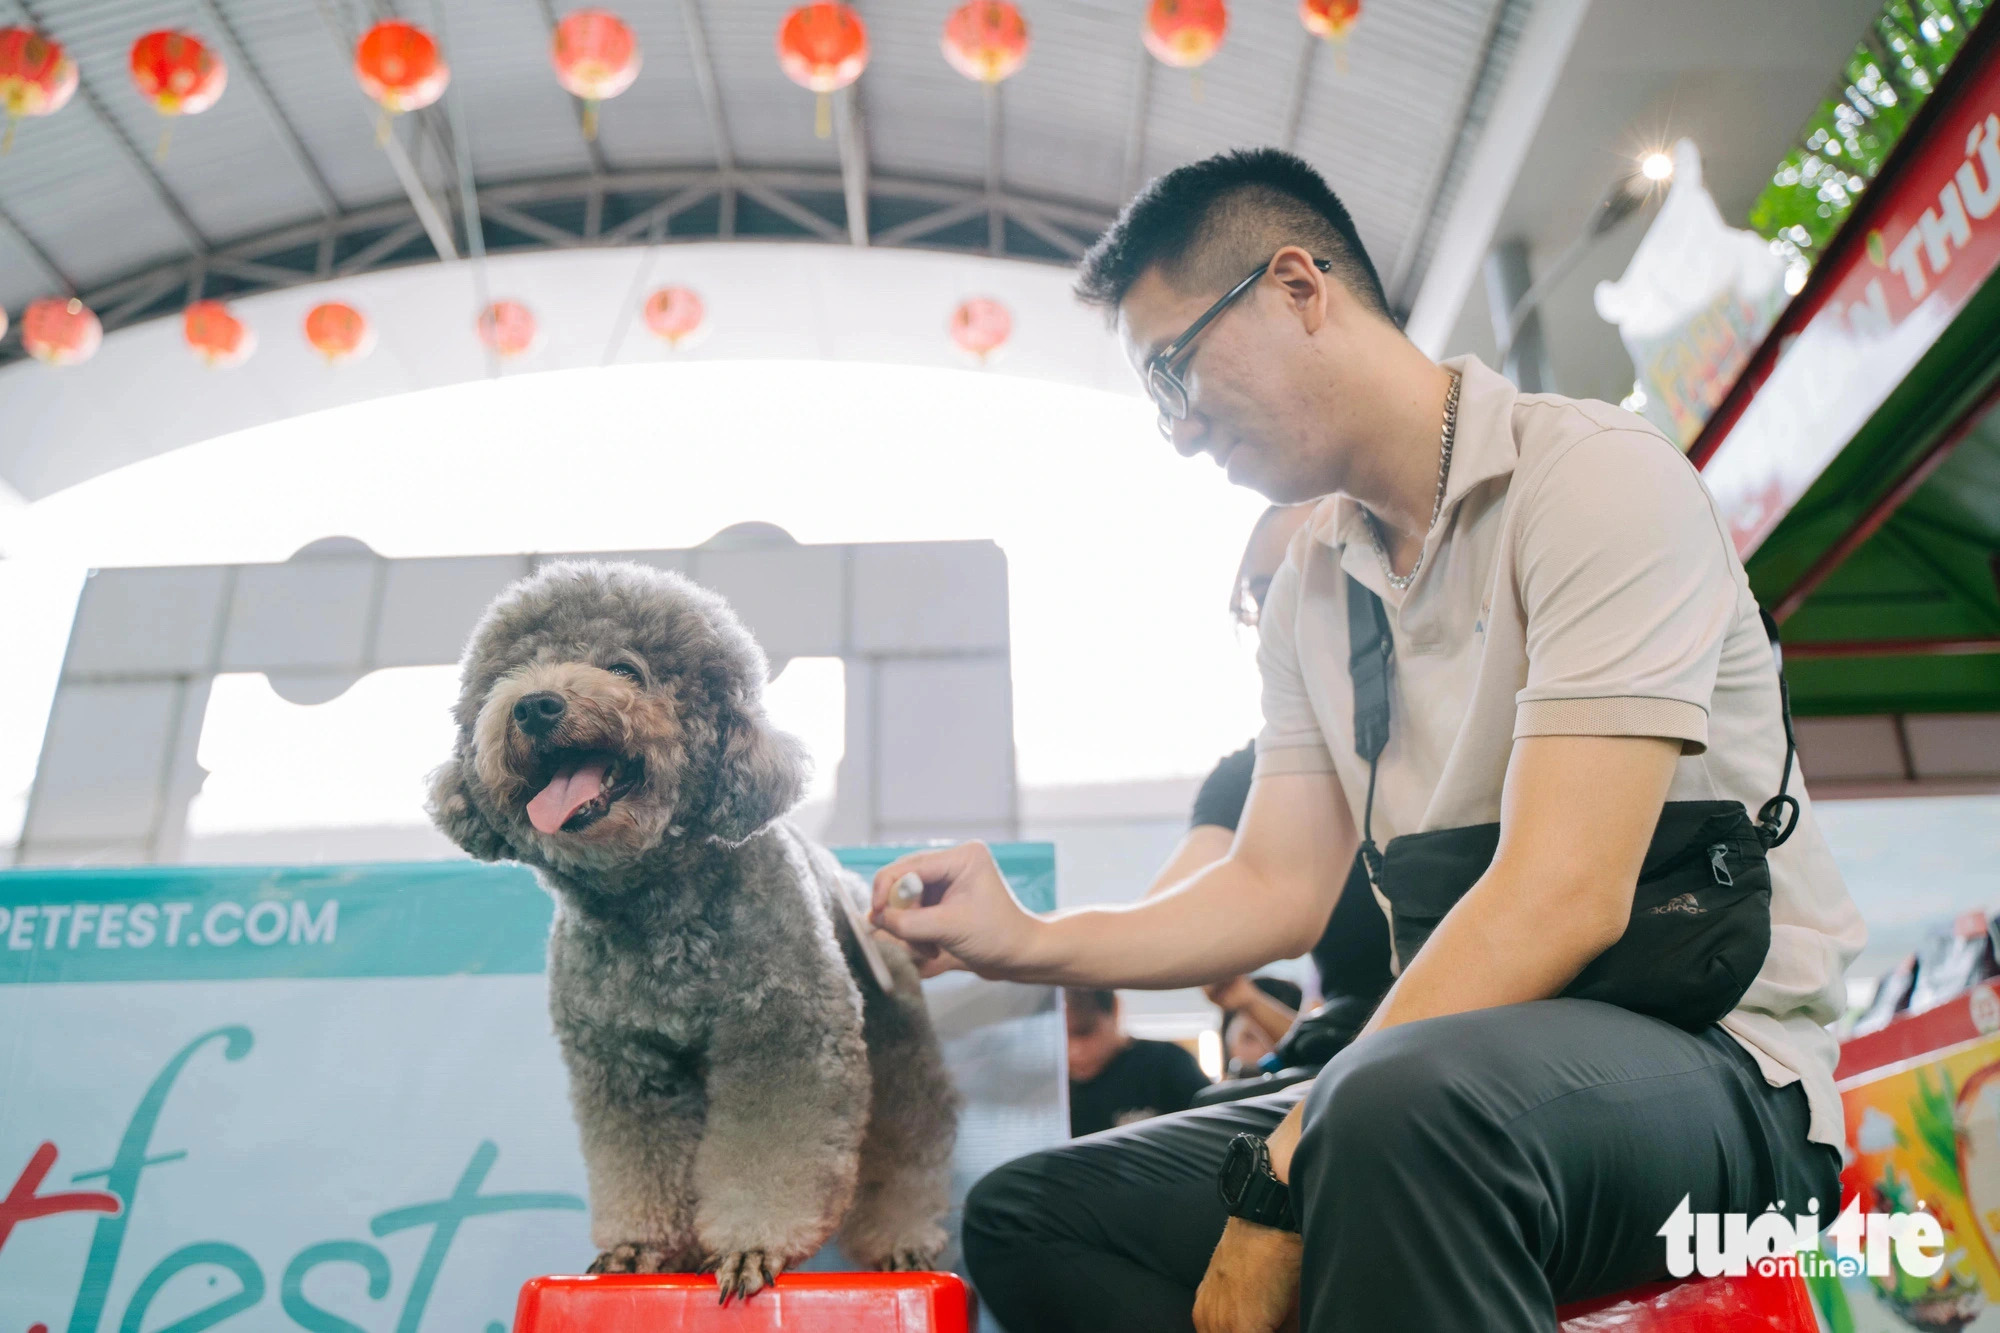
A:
(414, 189)
(662, 213)
(936, 220)
(591, 147)
(1135, 129)
(851, 133)
(1062, 242)
(1295, 98)
(41, 258)
(419, 196)
(789, 209)
(547, 233)
(161, 284)
(1467, 230)
(260, 89)
(269, 275)
(996, 216)
(703, 61)
(704, 79)
(380, 248)
(460, 160)
(389, 226)
(190, 233)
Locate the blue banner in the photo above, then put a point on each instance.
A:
(328, 1098)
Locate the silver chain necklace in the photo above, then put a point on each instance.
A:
(1445, 437)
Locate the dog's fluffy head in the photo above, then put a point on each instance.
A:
(604, 709)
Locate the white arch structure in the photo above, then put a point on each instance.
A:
(920, 626)
(145, 393)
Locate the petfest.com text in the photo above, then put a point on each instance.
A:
(1771, 1244)
(49, 927)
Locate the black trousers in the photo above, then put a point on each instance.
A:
(1463, 1173)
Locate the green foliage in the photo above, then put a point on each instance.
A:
(1842, 147)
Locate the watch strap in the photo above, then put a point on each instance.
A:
(1264, 1199)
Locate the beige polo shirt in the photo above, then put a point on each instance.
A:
(1580, 581)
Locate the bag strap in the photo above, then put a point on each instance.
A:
(1779, 815)
(1369, 648)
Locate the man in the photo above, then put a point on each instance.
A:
(1566, 659)
(1115, 1078)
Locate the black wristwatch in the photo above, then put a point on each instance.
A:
(1250, 1189)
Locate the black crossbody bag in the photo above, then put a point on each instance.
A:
(1701, 912)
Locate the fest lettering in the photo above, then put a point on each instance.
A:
(23, 1203)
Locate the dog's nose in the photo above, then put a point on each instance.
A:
(538, 713)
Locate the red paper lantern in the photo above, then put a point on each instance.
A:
(981, 326)
(1330, 19)
(339, 332)
(60, 330)
(177, 73)
(823, 47)
(675, 314)
(507, 328)
(217, 336)
(36, 77)
(1185, 33)
(986, 40)
(399, 66)
(596, 56)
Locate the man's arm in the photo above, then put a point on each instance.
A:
(1576, 816)
(1269, 898)
(1202, 847)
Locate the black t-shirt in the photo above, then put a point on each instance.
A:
(1146, 1079)
(1352, 957)
(1223, 792)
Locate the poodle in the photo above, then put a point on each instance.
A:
(745, 1089)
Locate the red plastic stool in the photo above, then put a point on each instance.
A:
(1747, 1304)
(796, 1303)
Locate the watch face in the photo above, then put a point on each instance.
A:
(1237, 1166)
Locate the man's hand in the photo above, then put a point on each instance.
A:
(969, 919)
(1252, 1283)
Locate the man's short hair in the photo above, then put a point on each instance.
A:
(1090, 1001)
(1206, 225)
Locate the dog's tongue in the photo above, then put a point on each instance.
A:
(572, 788)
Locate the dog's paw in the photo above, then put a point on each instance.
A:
(745, 1273)
(908, 1261)
(639, 1258)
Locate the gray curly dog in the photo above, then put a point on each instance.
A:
(744, 1089)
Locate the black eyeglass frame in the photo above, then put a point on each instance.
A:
(1163, 381)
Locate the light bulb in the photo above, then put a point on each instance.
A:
(1656, 166)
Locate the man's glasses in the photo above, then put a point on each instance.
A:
(1163, 371)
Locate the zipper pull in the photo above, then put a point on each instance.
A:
(1718, 863)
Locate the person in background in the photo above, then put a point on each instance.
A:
(1245, 1039)
(1218, 806)
(1115, 1078)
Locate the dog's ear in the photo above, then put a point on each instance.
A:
(452, 809)
(760, 774)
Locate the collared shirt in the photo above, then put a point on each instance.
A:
(1579, 581)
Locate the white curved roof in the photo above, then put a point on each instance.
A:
(283, 180)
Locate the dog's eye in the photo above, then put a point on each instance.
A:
(627, 670)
